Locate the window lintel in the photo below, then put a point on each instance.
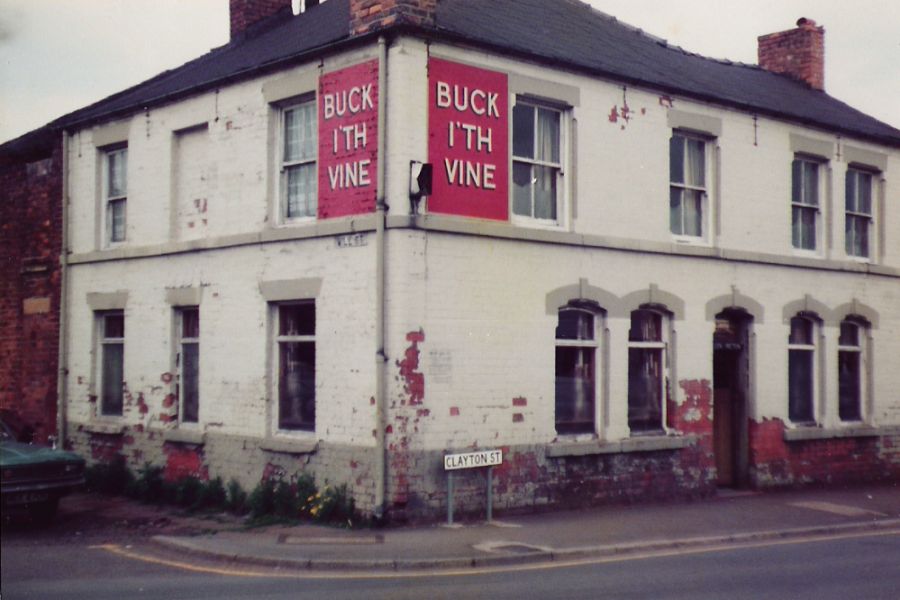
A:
(817, 149)
(111, 136)
(867, 160)
(105, 301)
(556, 94)
(691, 123)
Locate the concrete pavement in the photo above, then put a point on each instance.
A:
(726, 519)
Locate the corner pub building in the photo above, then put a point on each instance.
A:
(638, 272)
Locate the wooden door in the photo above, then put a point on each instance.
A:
(724, 435)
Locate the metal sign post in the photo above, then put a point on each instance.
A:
(472, 460)
(490, 493)
(450, 498)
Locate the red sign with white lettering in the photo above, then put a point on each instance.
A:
(348, 140)
(468, 141)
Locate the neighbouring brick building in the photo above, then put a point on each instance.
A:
(639, 272)
(30, 244)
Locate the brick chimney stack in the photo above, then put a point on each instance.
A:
(372, 15)
(798, 52)
(245, 13)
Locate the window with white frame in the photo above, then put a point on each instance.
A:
(688, 187)
(646, 371)
(858, 215)
(802, 369)
(805, 203)
(295, 357)
(576, 367)
(116, 193)
(187, 363)
(851, 357)
(299, 179)
(537, 161)
(111, 335)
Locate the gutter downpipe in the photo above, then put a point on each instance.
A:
(381, 359)
(62, 363)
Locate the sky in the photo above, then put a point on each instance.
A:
(59, 55)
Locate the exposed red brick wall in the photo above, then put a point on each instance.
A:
(184, 460)
(244, 13)
(371, 15)
(31, 226)
(529, 476)
(776, 462)
(798, 52)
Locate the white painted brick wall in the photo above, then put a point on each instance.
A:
(234, 334)
(479, 301)
(623, 167)
(485, 315)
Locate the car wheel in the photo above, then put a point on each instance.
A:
(45, 511)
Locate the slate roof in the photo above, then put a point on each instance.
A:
(575, 34)
(567, 33)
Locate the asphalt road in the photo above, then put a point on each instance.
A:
(840, 567)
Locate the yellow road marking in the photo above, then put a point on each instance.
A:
(556, 564)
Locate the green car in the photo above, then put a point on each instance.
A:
(36, 477)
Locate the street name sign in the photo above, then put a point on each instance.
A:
(472, 460)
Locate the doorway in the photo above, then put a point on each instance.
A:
(731, 382)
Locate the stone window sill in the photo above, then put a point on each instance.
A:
(801, 434)
(185, 436)
(290, 445)
(638, 444)
(105, 428)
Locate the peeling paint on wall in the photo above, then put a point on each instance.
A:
(142, 405)
(169, 414)
(695, 414)
(105, 448)
(404, 474)
(414, 380)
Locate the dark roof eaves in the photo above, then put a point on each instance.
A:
(33, 145)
